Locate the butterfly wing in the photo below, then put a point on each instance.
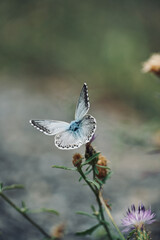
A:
(50, 127)
(83, 103)
(70, 139)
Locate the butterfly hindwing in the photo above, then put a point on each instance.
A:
(70, 139)
(50, 127)
(83, 103)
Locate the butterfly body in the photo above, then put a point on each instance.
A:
(74, 126)
(77, 132)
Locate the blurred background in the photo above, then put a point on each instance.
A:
(48, 49)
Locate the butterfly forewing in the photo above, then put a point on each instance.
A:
(50, 127)
(70, 139)
(83, 103)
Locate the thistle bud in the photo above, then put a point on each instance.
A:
(102, 161)
(58, 231)
(77, 159)
(90, 151)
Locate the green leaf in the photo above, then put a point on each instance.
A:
(88, 231)
(103, 167)
(13, 186)
(65, 168)
(96, 170)
(86, 173)
(107, 176)
(93, 182)
(43, 210)
(91, 159)
(100, 182)
(85, 214)
(88, 168)
(80, 178)
(93, 208)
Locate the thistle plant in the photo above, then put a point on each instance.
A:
(94, 171)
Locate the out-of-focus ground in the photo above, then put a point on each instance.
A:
(27, 156)
(48, 49)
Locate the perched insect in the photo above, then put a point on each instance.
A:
(74, 134)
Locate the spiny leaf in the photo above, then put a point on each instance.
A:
(93, 208)
(85, 173)
(65, 168)
(103, 167)
(85, 214)
(43, 210)
(88, 168)
(96, 170)
(80, 178)
(91, 159)
(94, 182)
(100, 182)
(13, 186)
(88, 231)
(107, 176)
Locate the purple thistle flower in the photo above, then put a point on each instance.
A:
(137, 218)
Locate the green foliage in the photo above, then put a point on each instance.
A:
(64, 168)
(94, 183)
(103, 166)
(142, 235)
(86, 173)
(43, 210)
(99, 181)
(88, 231)
(108, 176)
(89, 160)
(13, 186)
(10, 187)
(131, 234)
(86, 214)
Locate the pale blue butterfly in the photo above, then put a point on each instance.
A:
(71, 135)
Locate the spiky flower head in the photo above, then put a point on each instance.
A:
(77, 159)
(137, 219)
(102, 172)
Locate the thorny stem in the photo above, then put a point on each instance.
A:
(25, 215)
(98, 201)
(109, 215)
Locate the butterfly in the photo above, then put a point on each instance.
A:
(74, 134)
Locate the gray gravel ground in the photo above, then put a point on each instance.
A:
(27, 156)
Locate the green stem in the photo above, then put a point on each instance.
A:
(110, 216)
(24, 215)
(98, 201)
